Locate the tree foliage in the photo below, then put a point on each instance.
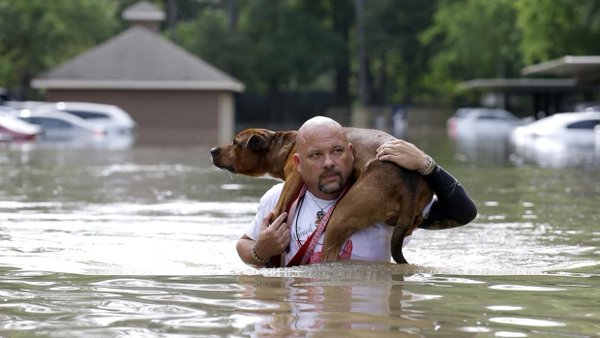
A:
(471, 39)
(397, 57)
(553, 28)
(417, 51)
(36, 35)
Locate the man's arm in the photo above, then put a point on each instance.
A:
(452, 207)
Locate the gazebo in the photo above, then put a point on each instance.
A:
(577, 76)
(175, 97)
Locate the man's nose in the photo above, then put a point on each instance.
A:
(328, 161)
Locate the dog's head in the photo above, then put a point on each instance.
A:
(246, 154)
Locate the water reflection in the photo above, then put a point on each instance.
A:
(482, 149)
(542, 152)
(107, 142)
(332, 300)
(554, 153)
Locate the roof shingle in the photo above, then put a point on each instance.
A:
(137, 59)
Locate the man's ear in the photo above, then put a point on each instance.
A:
(296, 160)
(257, 142)
(351, 147)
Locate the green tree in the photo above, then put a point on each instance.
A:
(277, 45)
(397, 59)
(553, 28)
(208, 35)
(471, 39)
(36, 35)
(337, 18)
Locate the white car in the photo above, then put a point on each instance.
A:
(58, 125)
(14, 129)
(469, 123)
(115, 120)
(567, 128)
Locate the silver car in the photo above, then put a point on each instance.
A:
(115, 120)
(58, 125)
(568, 128)
(481, 122)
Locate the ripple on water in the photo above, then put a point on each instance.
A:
(527, 288)
(529, 322)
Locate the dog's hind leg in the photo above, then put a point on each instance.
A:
(401, 230)
(411, 203)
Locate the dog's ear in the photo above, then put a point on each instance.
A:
(257, 142)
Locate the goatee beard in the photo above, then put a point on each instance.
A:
(323, 188)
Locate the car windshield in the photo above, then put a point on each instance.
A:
(585, 124)
(48, 122)
(87, 115)
(493, 117)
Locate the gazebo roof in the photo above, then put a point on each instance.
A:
(522, 84)
(137, 59)
(584, 69)
(566, 65)
(143, 11)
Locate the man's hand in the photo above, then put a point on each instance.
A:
(273, 239)
(404, 154)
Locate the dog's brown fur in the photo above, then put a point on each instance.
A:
(382, 191)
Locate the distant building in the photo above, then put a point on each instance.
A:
(175, 97)
(574, 82)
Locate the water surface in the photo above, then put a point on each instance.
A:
(140, 242)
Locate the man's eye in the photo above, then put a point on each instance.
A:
(314, 156)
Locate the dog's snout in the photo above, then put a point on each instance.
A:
(215, 151)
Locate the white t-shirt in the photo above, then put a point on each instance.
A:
(370, 244)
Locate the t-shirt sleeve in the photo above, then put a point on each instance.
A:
(267, 204)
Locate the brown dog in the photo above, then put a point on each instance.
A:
(382, 191)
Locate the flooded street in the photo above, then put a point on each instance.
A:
(140, 242)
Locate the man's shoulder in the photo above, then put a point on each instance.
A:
(273, 192)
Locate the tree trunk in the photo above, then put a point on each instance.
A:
(342, 22)
(232, 15)
(363, 85)
(172, 9)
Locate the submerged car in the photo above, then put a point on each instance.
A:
(568, 128)
(57, 125)
(113, 119)
(474, 122)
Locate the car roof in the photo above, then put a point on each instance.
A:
(575, 116)
(112, 111)
(86, 105)
(57, 114)
(462, 112)
(561, 119)
(61, 105)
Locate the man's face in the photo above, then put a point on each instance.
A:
(324, 160)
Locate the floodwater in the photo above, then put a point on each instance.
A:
(140, 242)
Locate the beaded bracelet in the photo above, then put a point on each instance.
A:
(428, 167)
(257, 257)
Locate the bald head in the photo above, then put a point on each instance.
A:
(318, 125)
